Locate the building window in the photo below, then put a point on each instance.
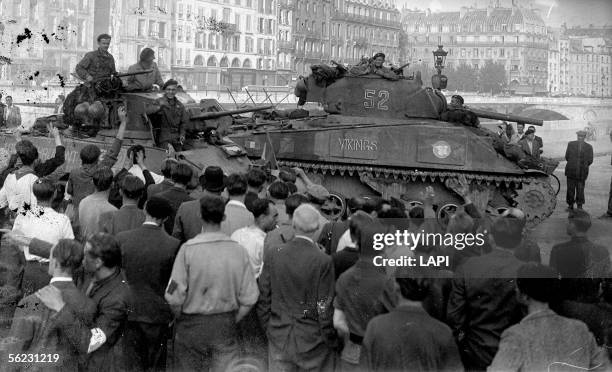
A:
(161, 30)
(226, 14)
(502, 53)
(248, 23)
(237, 21)
(236, 43)
(152, 31)
(212, 42)
(180, 33)
(188, 34)
(180, 11)
(142, 27)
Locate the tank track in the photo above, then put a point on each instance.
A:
(533, 194)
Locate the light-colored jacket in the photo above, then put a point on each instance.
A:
(545, 341)
(12, 116)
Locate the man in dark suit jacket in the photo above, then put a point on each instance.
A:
(295, 303)
(529, 145)
(129, 216)
(579, 156)
(34, 329)
(408, 338)
(107, 287)
(148, 255)
(483, 299)
(177, 194)
(2, 108)
(188, 221)
(166, 170)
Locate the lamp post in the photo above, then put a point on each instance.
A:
(439, 81)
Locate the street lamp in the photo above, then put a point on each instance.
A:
(439, 81)
(439, 59)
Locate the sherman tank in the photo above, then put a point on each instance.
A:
(141, 130)
(375, 136)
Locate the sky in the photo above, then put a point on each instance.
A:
(554, 12)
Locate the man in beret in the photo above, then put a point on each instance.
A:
(151, 81)
(377, 68)
(579, 156)
(171, 118)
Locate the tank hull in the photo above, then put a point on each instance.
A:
(400, 159)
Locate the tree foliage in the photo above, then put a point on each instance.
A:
(492, 77)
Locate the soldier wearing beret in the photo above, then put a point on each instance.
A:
(172, 118)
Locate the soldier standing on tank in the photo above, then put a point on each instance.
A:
(172, 117)
(95, 65)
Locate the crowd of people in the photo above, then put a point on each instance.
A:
(128, 270)
(121, 269)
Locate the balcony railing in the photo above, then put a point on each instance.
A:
(286, 4)
(341, 16)
(286, 45)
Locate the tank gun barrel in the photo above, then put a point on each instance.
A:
(506, 117)
(126, 74)
(218, 114)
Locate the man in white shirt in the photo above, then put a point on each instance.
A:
(236, 213)
(252, 237)
(17, 188)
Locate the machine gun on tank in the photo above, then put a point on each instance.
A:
(107, 86)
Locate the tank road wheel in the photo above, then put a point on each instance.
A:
(335, 206)
(537, 200)
(445, 212)
(554, 180)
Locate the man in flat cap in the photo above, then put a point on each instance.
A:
(151, 81)
(579, 156)
(529, 145)
(171, 118)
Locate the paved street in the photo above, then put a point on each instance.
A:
(552, 231)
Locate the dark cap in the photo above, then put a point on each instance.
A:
(581, 219)
(379, 54)
(529, 131)
(169, 83)
(581, 133)
(213, 180)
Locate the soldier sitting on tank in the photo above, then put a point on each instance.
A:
(83, 106)
(145, 82)
(170, 118)
(377, 68)
(457, 113)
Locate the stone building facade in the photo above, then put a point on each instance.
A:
(515, 37)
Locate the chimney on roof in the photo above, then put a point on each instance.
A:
(463, 11)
